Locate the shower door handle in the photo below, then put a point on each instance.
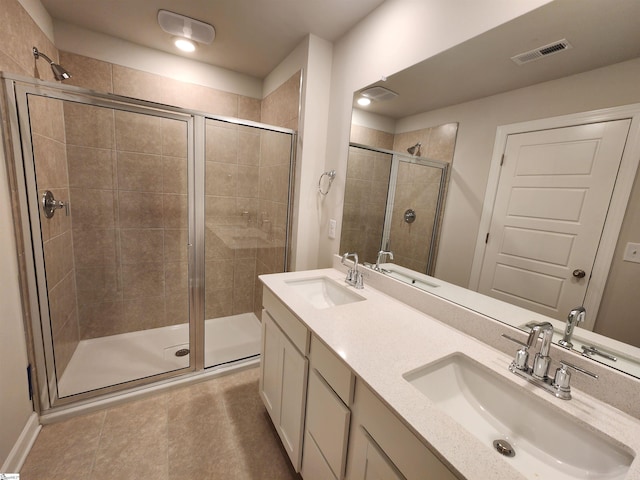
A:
(50, 204)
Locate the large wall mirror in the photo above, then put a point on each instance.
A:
(463, 108)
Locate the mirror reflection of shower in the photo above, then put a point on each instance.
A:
(404, 214)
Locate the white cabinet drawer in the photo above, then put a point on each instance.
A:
(327, 423)
(333, 370)
(287, 321)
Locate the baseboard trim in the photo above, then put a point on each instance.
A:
(23, 445)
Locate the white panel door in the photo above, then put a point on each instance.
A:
(551, 204)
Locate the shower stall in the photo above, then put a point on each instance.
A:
(149, 225)
(393, 201)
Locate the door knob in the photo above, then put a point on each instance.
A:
(579, 273)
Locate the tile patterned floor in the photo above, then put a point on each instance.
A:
(213, 430)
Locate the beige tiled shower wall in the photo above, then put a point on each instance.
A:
(438, 143)
(416, 188)
(128, 183)
(231, 205)
(18, 35)
(49, 153)
(111, 78)
(365, 201)
(280, 108)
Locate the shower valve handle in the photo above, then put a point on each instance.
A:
(50, 204)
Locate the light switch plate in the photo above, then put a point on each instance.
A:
(332, 228)
(632, 252)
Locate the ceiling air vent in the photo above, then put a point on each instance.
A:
(378, 93)
(541, 52)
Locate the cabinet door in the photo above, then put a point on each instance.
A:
(271, 368)
(314, 466)
(283, 386)
(376, 465)
(328, 423)
(294, 392)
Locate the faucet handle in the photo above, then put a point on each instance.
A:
(359, 281)
(563, 377)
(566, 364)
(522, 355)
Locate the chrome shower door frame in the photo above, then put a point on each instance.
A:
(40, 345)
(396, 158)
(17, 91)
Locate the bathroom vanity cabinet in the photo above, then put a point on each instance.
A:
(283, 374)
(347, 431)
(339, 378)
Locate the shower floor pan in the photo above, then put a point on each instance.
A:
(105, 361)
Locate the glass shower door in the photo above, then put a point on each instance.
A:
(109, 202)
(247, 189)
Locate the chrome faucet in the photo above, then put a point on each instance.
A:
(381, 254)
(541, 361)
(354, 277)
(537, 373)
(576, 316)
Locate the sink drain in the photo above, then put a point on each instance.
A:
(504, 448)
(182, 352)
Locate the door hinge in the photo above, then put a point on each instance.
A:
(502, 160)
(29, 378)
(486, 239)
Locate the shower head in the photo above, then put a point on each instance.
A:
(58, 71)
(415, 149)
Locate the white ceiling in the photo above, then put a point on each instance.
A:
(252, 36)
(602, 32)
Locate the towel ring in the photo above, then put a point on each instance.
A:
(331, 174)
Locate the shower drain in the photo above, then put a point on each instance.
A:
(182, 352)
(504, 448)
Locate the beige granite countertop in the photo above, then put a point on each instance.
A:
(381, 338)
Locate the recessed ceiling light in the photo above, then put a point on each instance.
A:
(363, 101)
(184, 44)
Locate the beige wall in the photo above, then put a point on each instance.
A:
(618, 313)
(19, 33)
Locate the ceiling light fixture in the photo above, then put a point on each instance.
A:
(186, 31)
(184, 44)
(364, 101)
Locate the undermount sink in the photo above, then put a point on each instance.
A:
(547, 444)
(322, 292)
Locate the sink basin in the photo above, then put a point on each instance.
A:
(547, 443)
(322, 292)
